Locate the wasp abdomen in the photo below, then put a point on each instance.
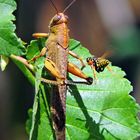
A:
(100, 64)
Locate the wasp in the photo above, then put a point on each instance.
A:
(98, 64)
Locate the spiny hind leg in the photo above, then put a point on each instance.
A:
(73, 69)
(50, 65)
(77, 57)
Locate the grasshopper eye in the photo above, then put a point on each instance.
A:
(57, 18)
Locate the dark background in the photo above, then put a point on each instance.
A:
(100, 25)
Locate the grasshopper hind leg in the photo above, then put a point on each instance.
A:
(77, 72)
(51, 67)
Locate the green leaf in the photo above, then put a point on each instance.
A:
(101, 111)
(36, 99)
(28, 74)
(35, 47)
(3, 62)
(39, 125)
(104, 110)
(43, 128)
(9, 42)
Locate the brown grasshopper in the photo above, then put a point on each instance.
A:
(57, 63)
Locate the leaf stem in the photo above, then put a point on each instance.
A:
(23, 61)
(23, 65)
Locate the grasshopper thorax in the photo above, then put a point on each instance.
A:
(59, 19)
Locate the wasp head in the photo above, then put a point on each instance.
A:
(90, 60)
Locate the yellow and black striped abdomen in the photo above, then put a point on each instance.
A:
(100, 64)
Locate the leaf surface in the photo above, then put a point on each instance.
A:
(101, 111)
(9, 42)
(104, 110)
(39, 125)
(3, 62)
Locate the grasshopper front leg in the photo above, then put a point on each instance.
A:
(49, 64)
(42, 53)
(44, 49)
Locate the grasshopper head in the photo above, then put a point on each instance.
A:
(59, 19)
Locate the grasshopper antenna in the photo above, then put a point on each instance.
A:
(54, 6)
(69, 6)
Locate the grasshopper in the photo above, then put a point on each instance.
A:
(57, 63)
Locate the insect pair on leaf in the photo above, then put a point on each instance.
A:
(98, 64)
(57, 51)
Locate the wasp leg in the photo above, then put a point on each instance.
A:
(94, 73)
(77, 57)
(109, 68)
(77, 72)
